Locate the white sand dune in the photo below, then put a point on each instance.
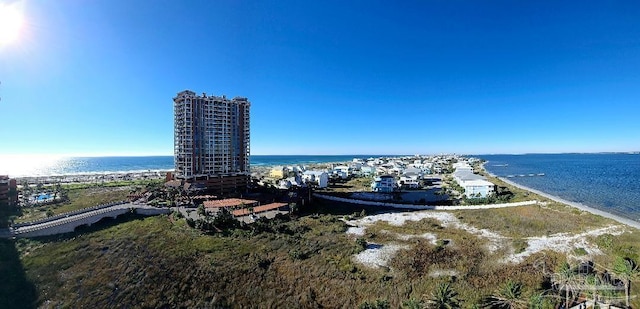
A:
(564, 243)
(445, 218)
(378, 255)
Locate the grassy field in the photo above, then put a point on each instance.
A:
(157, 262)
(308, 262)
(160, 261)
(111, 184)
(534, 220)
(358, 184)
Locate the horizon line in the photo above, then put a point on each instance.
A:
(339, 154)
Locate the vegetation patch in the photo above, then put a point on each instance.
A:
(519, 245)
(308, 262)
(529, 221)
(579, 251)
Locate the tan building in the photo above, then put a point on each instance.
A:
(8, 191)
(211, 141)
(279, 172)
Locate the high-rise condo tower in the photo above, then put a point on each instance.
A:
(211, 141)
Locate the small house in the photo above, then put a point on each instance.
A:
(279, 172)
(385, 183)
(409, 182)
(319, 178)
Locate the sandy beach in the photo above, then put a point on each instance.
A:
(93, 177)
(258, 171)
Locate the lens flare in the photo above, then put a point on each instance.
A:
(11, 22)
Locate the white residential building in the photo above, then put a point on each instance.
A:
(320, 178)
(368, 170)
(384, 183)
(342, 171)
(477, 188)
(290, 182)
(474, 185)
(410, 182)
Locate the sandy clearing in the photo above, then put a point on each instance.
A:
(564, 243)
(429, 236)
(447, 219)
(356, 230)
(378, 255)
(443, 273)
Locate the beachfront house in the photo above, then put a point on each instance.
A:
(297, 169)
(385, 183)
(368, 170)
(355, 166)
(396, 170)
(287, 183)
(341, 171)
(319, 178)
(424, 167)
(409, 182)
(413, 172)
(475, 186)
(284, 184)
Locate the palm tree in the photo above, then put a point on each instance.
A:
(536, 301)
(412, 303)
(293, 207)
(26, 191)
(39, 187)
(508, 296)
(444, 298)
(593, 282)
(56, 190)
(201, 211)
(626, 269)
(565, 279)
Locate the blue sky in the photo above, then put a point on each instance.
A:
(327, 77)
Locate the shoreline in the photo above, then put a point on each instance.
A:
(93, 177)
(577, 205)
(109, 176)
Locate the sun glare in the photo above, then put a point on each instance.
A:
(11, 21)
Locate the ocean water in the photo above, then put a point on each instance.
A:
(609, 182)
(263, 160)
(20, 166)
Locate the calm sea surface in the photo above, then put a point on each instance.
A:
(44, 166)
(610, 182)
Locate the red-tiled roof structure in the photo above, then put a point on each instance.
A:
(258, 209)
(205, 197)
(229, 202)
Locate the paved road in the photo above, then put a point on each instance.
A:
(73, 220)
